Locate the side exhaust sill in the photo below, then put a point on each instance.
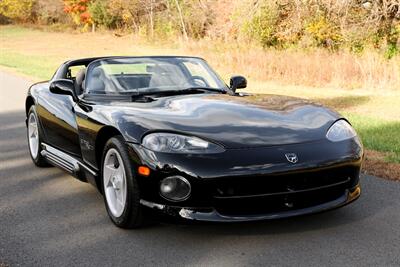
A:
(65, 161)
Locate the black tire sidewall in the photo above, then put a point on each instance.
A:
(132, 215)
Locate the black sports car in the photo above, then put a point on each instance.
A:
(166, 134)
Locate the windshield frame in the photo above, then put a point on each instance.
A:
(223, 87)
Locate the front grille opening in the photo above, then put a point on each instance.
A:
(277, 203)
(279, 193)
(284, 184)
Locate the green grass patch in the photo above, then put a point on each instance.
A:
(39, 67)
(378, 134)
(12, 31)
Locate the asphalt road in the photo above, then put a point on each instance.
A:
(49, 218)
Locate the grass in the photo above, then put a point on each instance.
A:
(12, 32)
(365, 88)
(379, 135)
(39, 67)
(317, 67)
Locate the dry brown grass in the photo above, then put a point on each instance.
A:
(375, 164)
(316, 68)
(318, 75)
(319, 68)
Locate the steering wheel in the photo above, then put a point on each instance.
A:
(197, 81)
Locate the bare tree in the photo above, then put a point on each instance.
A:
(181, 19)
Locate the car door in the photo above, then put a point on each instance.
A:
(57, 116)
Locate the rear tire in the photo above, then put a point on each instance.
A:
(120, 188)
(34, 139)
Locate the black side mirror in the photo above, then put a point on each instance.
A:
(237, 82)
(63, 87)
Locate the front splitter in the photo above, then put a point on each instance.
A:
(212, 215)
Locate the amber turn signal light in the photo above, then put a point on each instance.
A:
(143, 170)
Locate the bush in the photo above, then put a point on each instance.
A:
(324, 32)
(263, 24)
(352, 25)
(50, 12)
(17, 10)
(100, 14)
(197, 15)
(125, 13)
(393, 40)
(165, 28)
(78, 10)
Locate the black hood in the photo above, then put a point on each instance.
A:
(232, 121)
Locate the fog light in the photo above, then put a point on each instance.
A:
(175, 188)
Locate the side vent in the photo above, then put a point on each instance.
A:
(64, 161)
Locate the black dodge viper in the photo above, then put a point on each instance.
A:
(165, 135)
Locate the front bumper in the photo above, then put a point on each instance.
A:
(257, 183)
(212, 215)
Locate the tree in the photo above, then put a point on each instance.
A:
(78, 9)
(181, 20)
(18, 10)
(385, 15)
(100, 14)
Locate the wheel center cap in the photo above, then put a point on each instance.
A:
(115, 183)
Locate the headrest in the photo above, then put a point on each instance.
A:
(97, 72)
(80, 76)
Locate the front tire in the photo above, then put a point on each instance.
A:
(120, 188)
(34, 139)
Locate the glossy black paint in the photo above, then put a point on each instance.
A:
(256, 135)
(63, 87)
(56, 117)
(232, 121)
(237, 82)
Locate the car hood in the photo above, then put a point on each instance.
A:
(232, 121)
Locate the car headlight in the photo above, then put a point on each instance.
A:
(340, 130)
(176, 143)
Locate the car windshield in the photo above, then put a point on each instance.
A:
(150, 75)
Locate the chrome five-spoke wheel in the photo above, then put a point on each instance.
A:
(119, 184)
(33, 135)
(34, 138)
(114, 179)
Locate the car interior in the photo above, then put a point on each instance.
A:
(100, 82)
(155, 76)
(152, 76)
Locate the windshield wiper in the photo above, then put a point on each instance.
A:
(141, 98)
(206, 89)
(188, 90)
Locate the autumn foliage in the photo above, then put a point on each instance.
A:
(352, 25)
(18, 10)
(78, 9)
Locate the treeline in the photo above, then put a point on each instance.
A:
(332, 24)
